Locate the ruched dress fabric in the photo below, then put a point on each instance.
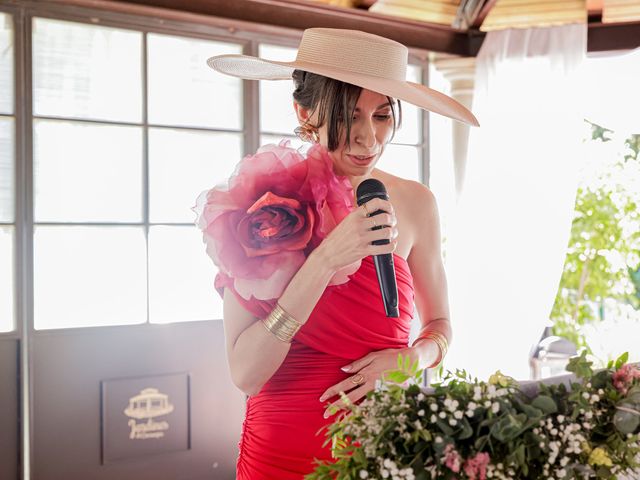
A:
(278, 440)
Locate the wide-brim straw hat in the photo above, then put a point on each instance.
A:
(363, 59)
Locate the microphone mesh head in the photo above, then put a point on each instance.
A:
(370, 188)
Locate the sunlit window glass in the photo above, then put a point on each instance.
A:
(184, 91)
(87, 172)
(7, 175)
(276, 101)
(6, 278)
(86, 71)
(182, 163)
(409, 133)
(180, 276)
(89, 276)
(401, 160)
(6, 63)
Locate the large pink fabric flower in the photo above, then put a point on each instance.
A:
(278, 206)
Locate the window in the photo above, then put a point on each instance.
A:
(7, 175)
(122, 147)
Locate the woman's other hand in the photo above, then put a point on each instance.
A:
(365, 371)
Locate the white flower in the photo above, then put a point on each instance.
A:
(594, 399)
(384, 473)
(477, 393)
(600, 391)
(442, 415)
(564, 461)
(560, 418)
(364, 474)
(588, 415)
(562, 473)
(421, 413)
(458, 414)
(438, 439)
(469, 413)
(495, 406)
(585, 395)
(487, 403)
(434, 407)
(434, 419)
(453, 422)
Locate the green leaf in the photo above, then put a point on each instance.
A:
(545, 403)
(622, 359)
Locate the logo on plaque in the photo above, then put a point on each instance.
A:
(147, 405)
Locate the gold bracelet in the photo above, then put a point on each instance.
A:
(439, 339)
(281, 324)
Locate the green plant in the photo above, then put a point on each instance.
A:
(603, 256)
(467, 429)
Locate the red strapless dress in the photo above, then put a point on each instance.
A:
(279, 440)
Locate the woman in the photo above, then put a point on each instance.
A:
(326, 331)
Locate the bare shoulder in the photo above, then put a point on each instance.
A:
(415, 207)
(407, 195)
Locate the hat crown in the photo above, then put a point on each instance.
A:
(355, 51)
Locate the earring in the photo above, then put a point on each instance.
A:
(307, 133)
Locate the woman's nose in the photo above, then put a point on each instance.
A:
(365, 134)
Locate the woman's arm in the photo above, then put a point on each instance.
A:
(253, 353)
(430, 282)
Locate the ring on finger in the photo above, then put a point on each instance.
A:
(357, 379)
(374, 222)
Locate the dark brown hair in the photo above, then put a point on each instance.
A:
(335, 102)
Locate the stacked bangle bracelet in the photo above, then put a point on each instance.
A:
(439, 339)
(281, 324)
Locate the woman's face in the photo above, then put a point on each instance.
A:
(371, 129)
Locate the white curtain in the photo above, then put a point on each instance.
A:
(511, 226)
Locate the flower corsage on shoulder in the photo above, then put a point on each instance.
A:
(278, 205)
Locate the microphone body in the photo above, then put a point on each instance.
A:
(385, 269)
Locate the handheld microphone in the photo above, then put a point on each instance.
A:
(368, 189)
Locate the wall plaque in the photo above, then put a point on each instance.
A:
(144, 415)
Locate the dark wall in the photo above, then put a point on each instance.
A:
(69, 368)
(9, 409)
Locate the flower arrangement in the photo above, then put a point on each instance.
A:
(584, 428)
(278, 205)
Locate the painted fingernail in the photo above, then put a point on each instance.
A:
(326, 414)
(346, 369)
(322, 398)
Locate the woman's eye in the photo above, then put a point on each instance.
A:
(379, 117)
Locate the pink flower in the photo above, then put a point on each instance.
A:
(277, 207)
(476, 467)
(623, 378)
(452, 458)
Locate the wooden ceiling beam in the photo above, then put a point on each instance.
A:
(302, 15)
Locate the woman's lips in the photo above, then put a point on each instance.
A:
(361, 160)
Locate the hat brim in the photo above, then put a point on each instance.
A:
(254, 68)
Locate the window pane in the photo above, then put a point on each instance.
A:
(276, 108)
(89, 276)
(183, 90)
(6, 63)
(86, 71)
(6, 169)
(180, 277)
(6, 279)
(184, 163)
(401, 160)
(87, 172)
(411, 115)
